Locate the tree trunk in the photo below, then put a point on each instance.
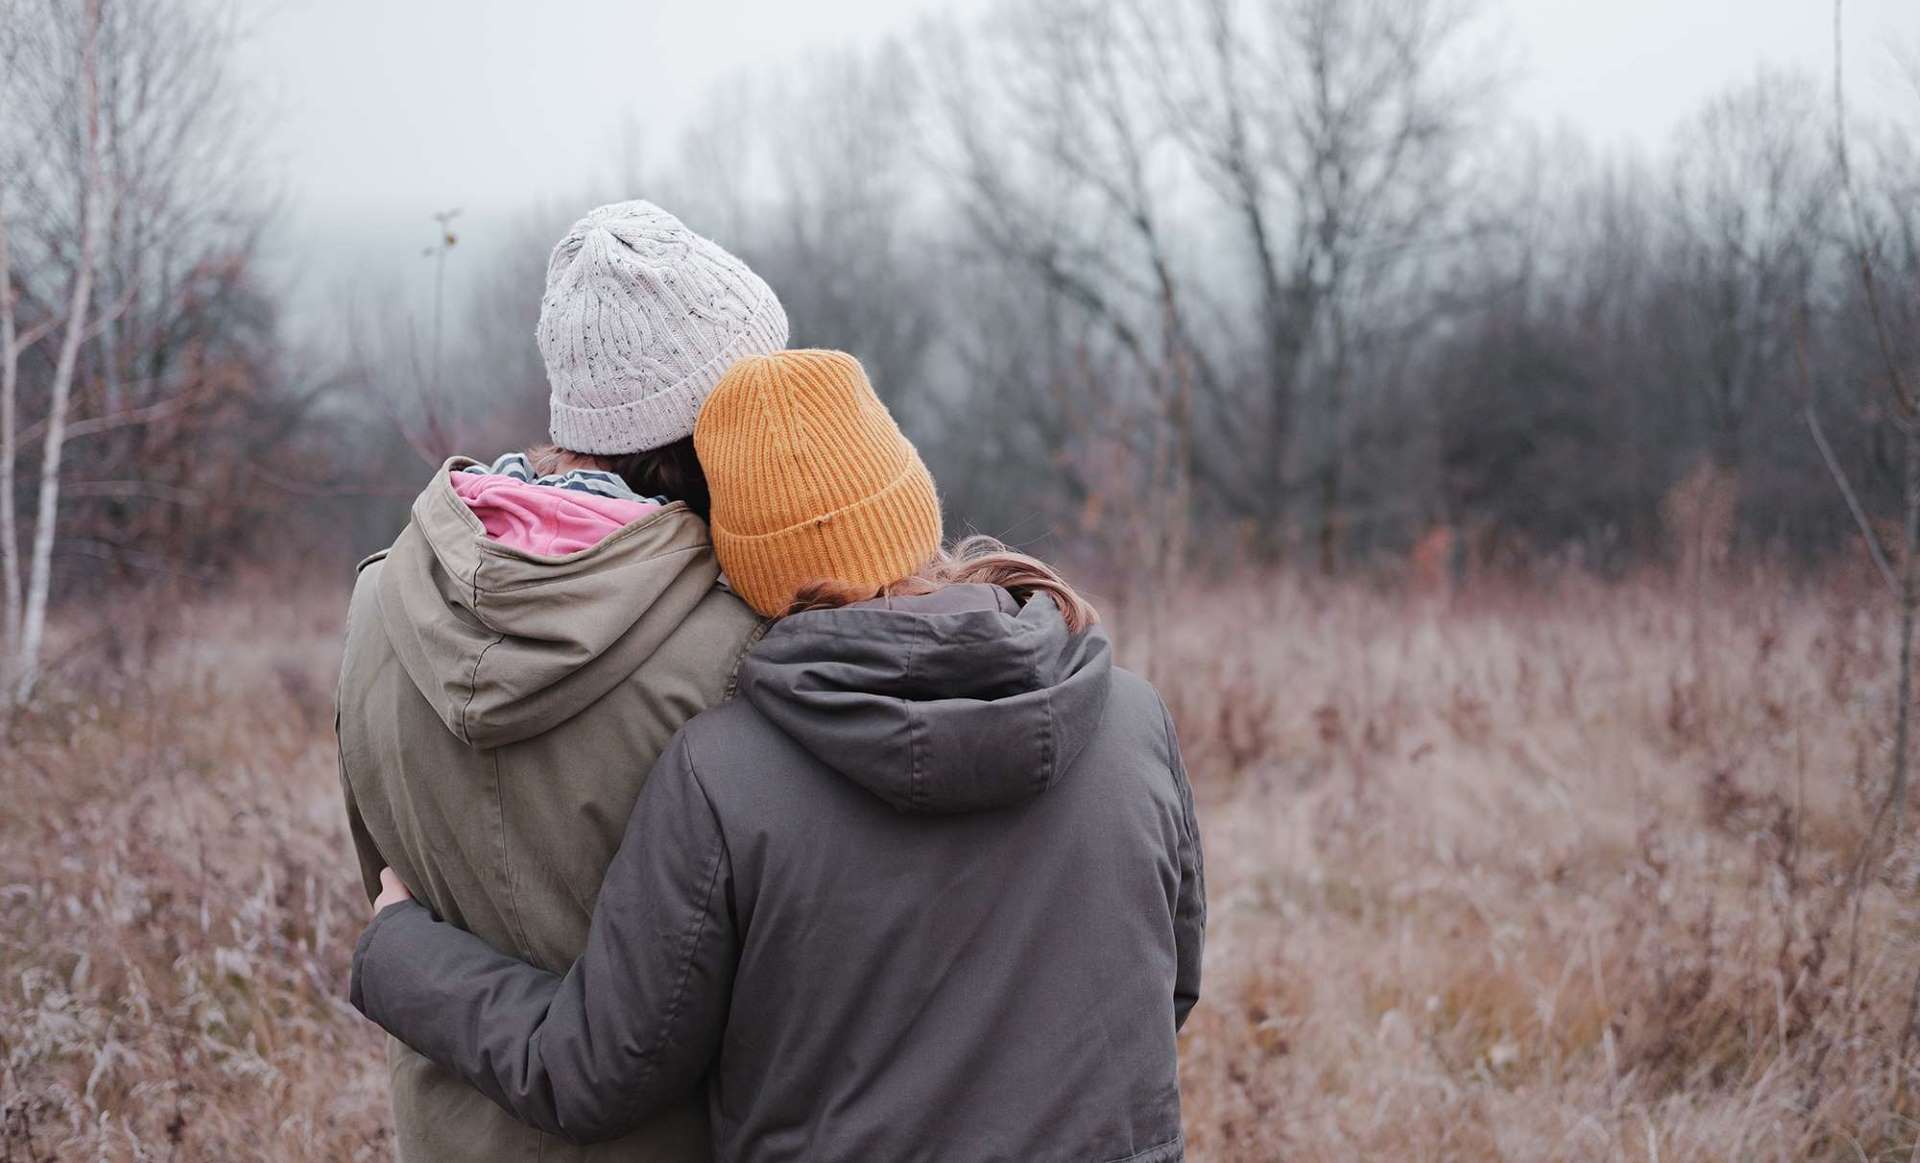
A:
(1332, 525)
(9, 452)
(40, 576)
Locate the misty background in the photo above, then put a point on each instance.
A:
(517, 105)
(1335, 283)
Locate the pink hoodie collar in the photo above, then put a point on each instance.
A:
(543, 519)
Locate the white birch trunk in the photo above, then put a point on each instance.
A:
(40, 574)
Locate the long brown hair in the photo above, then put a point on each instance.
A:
(671, 471)
(977, 559)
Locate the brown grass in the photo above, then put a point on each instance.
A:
(176, 902)
(1560, 875)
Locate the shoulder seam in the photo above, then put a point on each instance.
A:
(693, 772)
(759, 631)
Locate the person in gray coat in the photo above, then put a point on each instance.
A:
(929, 888)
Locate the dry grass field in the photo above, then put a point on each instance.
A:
(1557, 874)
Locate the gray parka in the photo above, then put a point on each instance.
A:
(932, 890)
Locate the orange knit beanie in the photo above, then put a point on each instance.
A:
(811, 479)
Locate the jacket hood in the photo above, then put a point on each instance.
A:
(957, 701)
(507, 644)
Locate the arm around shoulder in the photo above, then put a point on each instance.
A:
(632, 1026)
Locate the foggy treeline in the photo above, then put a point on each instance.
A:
(1294, 269)
(1282, 279)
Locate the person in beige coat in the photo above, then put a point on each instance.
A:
(521, 655)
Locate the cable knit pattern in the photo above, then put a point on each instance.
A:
(640, 319)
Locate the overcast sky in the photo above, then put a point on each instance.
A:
(386, 111)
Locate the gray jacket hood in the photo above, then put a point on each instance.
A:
(507, 644)
(958, 701)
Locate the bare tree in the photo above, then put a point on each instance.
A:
(1751, 198)
(14, 343)
(129, 224)
(1087, 140)
(1335, 135)
(33, 624)
(1064, 175)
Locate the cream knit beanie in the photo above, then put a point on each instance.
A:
(640, 320)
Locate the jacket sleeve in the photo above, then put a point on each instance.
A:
(1190, 910)
(631, 1026)
(365, 854)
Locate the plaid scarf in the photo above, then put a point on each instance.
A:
(584, 480)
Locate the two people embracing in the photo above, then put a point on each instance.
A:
(713, 807)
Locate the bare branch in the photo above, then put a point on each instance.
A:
(93, 425)
(1839, 474)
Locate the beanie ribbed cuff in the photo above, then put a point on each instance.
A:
(661, 417)
(876, 541)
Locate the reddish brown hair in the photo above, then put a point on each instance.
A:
(974, 560)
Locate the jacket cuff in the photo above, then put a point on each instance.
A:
(356, 981)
